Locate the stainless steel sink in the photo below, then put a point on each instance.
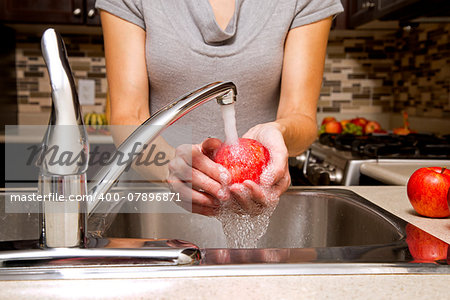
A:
(302, 219)
(312, 231)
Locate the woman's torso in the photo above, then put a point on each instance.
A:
(185, 49)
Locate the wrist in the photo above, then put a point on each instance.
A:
(279, 125)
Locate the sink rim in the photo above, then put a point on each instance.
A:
(251, 269)
(131, 272)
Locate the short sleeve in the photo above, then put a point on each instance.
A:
(129, 10)
(310, 11)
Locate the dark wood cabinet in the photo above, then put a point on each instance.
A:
(341, 20)
(49, 11)
(363, 11)
(92, 15)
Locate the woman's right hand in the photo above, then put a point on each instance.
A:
(199, 180)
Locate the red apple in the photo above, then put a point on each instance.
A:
(333, 127)
(327, 120)
(359, 122)
(371, 127)
(428, 190)
(423, 246)
(448, 199)
(244, 160)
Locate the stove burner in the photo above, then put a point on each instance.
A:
(390, 145)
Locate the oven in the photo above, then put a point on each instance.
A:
(336, 159)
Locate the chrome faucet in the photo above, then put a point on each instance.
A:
(64, 224)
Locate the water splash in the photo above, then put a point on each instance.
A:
(243, 229)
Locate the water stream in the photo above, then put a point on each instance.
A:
(242, 228)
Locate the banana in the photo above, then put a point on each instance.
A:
(105, 120)
(95, 120)
(99, 120)
(87, 118)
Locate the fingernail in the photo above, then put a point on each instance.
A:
(222, 194)
(224, 176)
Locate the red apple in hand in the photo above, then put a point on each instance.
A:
(244, 160)
(428, 190)
(423, 246)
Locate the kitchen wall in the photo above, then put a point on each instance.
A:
(86, 57)
(389, 71)
(366, 72)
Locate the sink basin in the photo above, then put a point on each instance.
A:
(302, 219)
(307, 225)
(312, 231)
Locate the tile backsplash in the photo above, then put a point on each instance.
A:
(389, 71)
(379, 71)
(86, 57)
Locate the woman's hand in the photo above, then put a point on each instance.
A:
(197, 178)
(275, 178)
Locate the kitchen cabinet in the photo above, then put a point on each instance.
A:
(49, 11)
(341, 20)
(363, 11)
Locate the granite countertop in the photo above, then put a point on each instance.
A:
(368, 286)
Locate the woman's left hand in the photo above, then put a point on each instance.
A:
(275, 178)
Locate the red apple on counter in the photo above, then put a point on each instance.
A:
(371, 127)
(428, 190)
(327, 120)
(244, 160)
(359, 122)
(333, 127)
(423, 246)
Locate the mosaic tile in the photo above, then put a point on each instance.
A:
(365, 71)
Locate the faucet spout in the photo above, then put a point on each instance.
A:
(223, 92)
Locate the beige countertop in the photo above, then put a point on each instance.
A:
(395, 200)
(397, 287)
(369, 286)
(34, 134)
(397, 173)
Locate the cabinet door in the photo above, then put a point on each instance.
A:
(362, 11)
(42, 11)
(92, 15)
(341, 20)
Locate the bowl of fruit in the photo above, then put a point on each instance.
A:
(361, 126)
(355, 126)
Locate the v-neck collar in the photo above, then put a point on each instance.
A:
(196, 25)
(211, 32)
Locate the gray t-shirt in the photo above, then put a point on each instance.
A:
(185, 49)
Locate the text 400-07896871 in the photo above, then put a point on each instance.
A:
(144, 197)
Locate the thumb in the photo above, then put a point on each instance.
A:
(210, 146)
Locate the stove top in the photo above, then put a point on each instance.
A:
(380, 146)
(336, 159)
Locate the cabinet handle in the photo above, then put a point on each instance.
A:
(91, 13)
(368, 4)
(77, 12)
